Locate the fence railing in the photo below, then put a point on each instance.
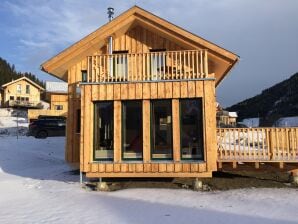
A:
(257, 144)
(24, 103)
(162, 65)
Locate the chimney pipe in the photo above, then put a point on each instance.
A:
(110, 49)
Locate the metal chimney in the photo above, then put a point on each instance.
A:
(110, 47)
(110, 13)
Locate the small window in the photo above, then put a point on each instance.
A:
(191, 129)
(78, 129)
(58, 107)
(18, 98)
(19, 88)
(11, 97)
(22, 98)
(27, 89)
(103, 130)
(84, 75)
(132, 136)
(27, 99)
(161, 130)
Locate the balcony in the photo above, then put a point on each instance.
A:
(146, 67)
(26, 104)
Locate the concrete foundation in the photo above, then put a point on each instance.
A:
(102, 186)
(197, 185)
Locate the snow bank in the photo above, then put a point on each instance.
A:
(13, 125)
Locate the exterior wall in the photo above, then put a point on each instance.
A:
(145, 92)
(11, 90)
(59, 99)
(79, 146)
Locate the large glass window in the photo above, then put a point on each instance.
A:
(103, 131)
(132, 137)
(191, 126)
(161, 129)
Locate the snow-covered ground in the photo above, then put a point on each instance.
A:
(36, 186)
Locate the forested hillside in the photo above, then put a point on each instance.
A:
(280, 100)
(9, 73)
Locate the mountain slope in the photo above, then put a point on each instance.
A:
(280, 100)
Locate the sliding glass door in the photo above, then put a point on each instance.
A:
(161, 129)
(132, 135)
(103, 130)
(191, 129)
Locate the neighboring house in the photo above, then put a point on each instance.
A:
(57, 95)
(22, 93)
(146, 107)
(225, 118)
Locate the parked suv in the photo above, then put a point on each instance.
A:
(43, 128)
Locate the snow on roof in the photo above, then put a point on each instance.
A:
(56, 87)
(287, 122)
(233, 114)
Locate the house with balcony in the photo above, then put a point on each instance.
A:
(141, 98)
(21, 93)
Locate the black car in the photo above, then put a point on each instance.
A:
(43, 128)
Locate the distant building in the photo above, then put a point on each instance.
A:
(287, 122)
(225, 118)
(56, 94)
(21, 93)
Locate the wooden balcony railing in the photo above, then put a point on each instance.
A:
(24, 103)
(257, 144)
(154, 66)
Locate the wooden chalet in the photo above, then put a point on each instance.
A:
(141, 99)
(21, 92)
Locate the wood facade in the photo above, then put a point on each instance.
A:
(186, 67)
(22, 93)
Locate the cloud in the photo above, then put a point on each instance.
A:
(264, 33)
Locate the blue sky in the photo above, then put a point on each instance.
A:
(264, 33)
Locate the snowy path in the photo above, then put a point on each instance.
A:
(36, 187)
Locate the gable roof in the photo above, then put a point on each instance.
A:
(23, 78)
(56, 87)
(59, 64)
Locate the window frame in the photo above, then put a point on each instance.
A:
(122, 132)
(27, 89)
(202, 133)
(151, 131)
(94, 129)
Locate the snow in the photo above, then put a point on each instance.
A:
(37, 186)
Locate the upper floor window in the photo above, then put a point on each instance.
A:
(120, 64)
(84, 75)
(27, 89)
(19, 88)
(157, 63)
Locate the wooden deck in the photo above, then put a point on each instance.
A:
(257, 146)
